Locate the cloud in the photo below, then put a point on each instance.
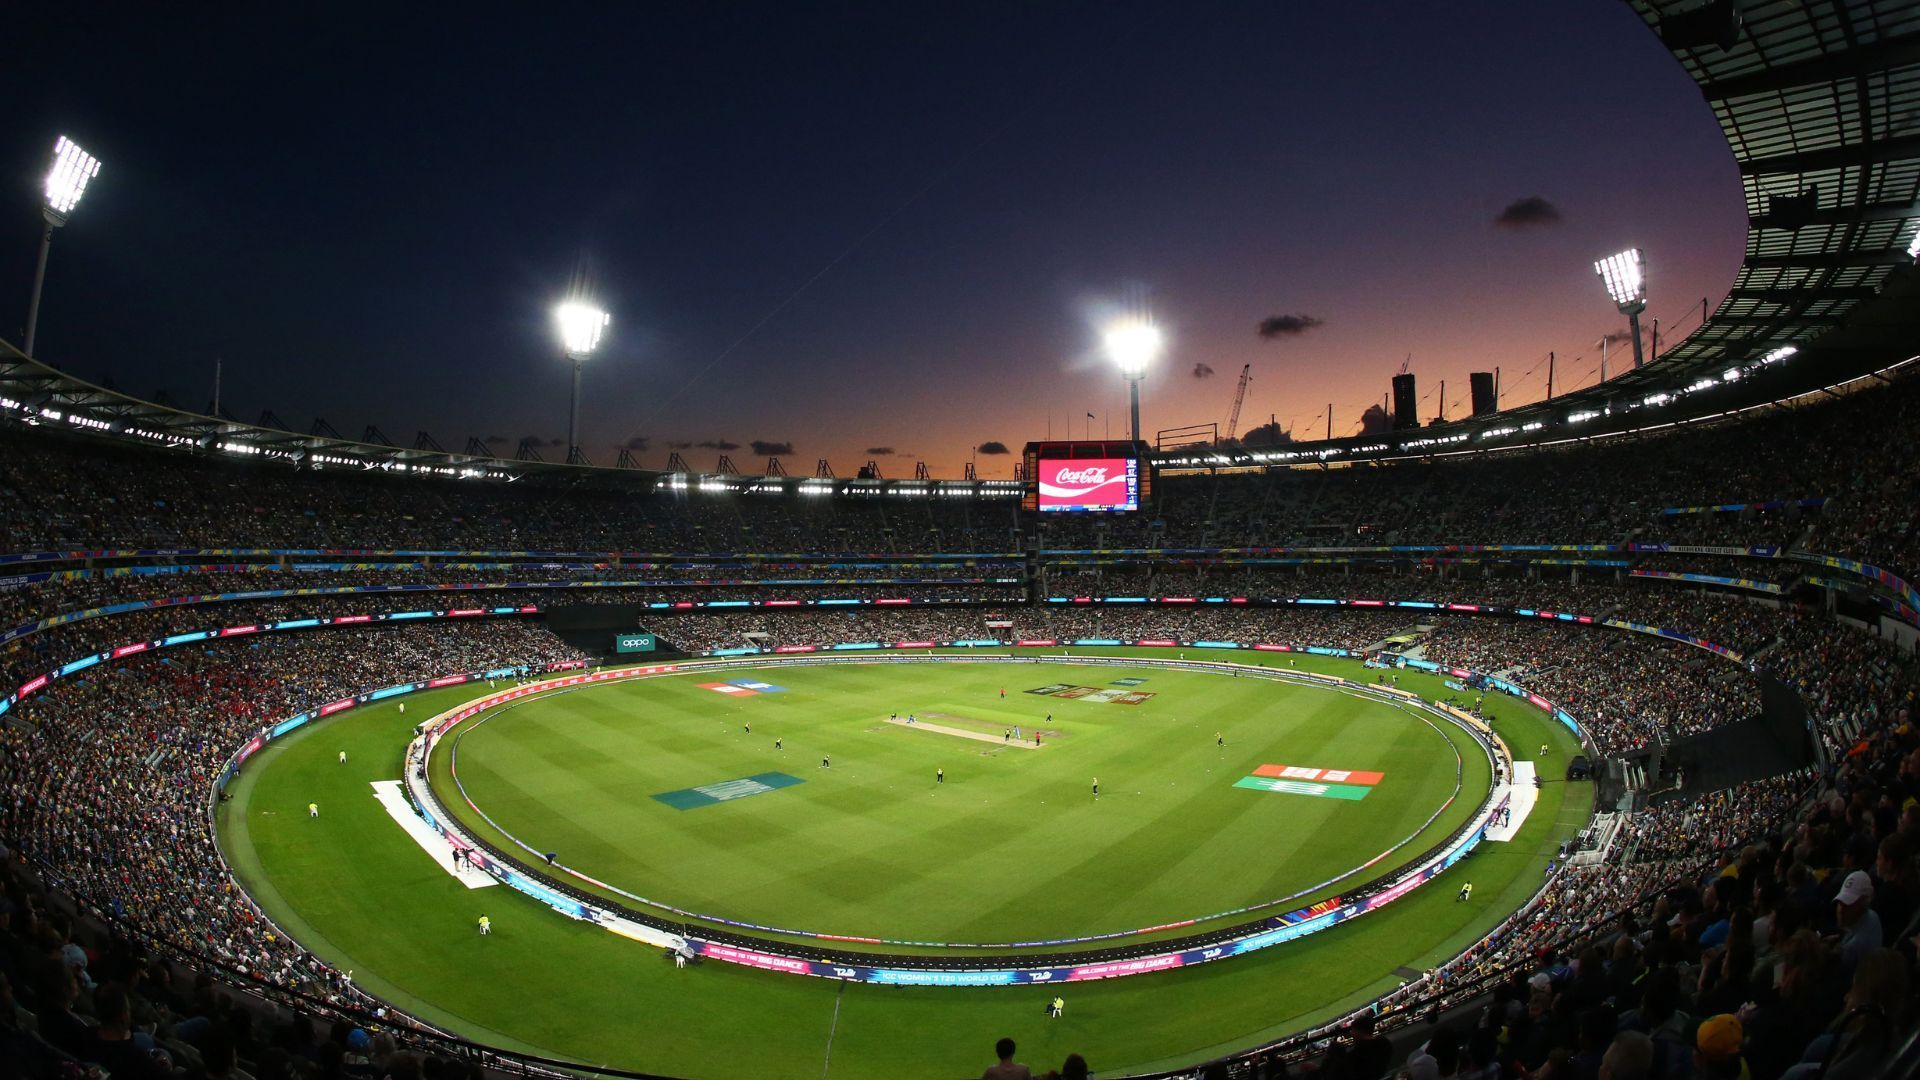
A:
(880, 451)
(494, 439)
(541, 440)
(1274, 326)
(1266, 435)
(679, 444)
(1202, 371)
(637, 443)
(1620, 337)
(1527, 213)
(769, 448)
(1375, 421)
(717, 444)
(993, 446)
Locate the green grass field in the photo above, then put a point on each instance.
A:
(358, 892)
(1012, 846)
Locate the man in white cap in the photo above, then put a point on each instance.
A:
(1860, 931)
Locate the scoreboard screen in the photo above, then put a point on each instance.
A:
(1085, 477)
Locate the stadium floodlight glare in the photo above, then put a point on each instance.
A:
(1625, 275)
(66, 182)
(580, 327)
(581, 324)
(1133, 343)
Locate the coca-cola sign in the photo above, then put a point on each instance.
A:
(1090, 484)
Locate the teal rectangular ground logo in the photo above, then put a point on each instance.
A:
(1351, 792)
(1126, 682)
(726, 790)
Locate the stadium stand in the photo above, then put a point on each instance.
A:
(1628, 939)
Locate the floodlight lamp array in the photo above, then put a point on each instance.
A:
(1625, 275)
(67, 180)
(581, 325)
(1133, 344)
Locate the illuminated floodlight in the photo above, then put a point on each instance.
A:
(1133, 344)
(67, 180)
(1913, 248)
(581, 324)
(1625, 275)
(580, 327)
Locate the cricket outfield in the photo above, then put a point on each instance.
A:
(675, 790)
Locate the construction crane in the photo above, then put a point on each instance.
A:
(1239, 398)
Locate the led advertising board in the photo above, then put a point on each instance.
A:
(1099, 484)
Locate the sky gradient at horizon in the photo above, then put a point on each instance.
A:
(852, 228)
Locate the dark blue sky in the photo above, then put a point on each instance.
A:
(847, 226)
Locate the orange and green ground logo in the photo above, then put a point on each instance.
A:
(1349, 784)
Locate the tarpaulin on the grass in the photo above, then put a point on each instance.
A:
(726, 790)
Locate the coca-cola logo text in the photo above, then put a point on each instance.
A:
(1081, 476)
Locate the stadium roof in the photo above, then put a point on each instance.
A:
(1820, 104)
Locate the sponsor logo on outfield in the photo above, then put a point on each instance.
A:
(1336, 776)
(1095, 693)
(743, 687)
(1126, 682)
(726, 790)
(1350, 792)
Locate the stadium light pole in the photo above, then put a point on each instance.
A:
(581, 324)
(1625, 276)
(66, 182)
(1133, 344)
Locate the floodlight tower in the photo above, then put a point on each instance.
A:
(1625, 276)
(1133, 343)
(581, 323)
(66, 182)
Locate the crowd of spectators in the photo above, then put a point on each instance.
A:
(1627, 690)
(75, 993)
(1754, 932)
(58, 494)
(1738, 925)
(104, 779)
